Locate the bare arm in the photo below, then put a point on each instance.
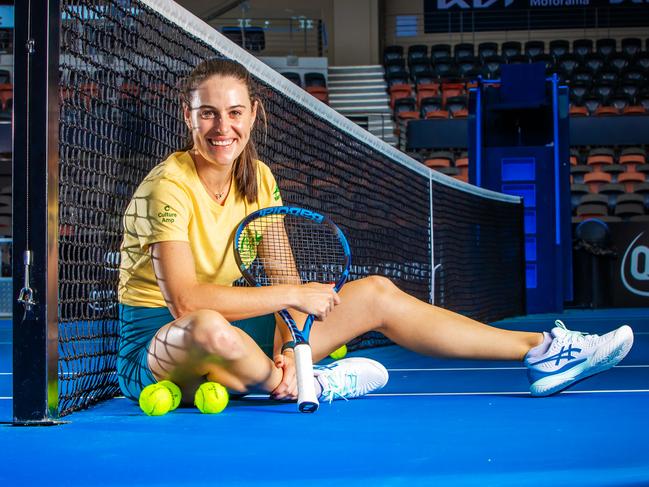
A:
(173, 264)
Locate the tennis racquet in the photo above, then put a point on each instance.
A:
(289, 245)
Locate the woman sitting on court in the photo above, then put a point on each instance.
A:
(182, 320)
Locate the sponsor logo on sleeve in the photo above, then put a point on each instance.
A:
(167, 215)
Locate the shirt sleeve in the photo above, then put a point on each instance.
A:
(160, 212)
(269, 194)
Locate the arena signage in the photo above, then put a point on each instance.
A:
(630, 284)
(524, 4)
(499, 15)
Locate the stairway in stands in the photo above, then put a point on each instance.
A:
(360, 94)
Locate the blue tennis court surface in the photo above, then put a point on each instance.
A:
(438, 422)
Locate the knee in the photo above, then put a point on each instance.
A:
(212, 333)
(379, 286)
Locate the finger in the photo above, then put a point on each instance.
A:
(336, 298)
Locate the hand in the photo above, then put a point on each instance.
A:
(316, 299)
(287, 389)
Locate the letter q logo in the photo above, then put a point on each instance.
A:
(636, 263)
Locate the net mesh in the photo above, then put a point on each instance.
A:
(120, 68)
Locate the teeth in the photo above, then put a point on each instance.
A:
(221, 142)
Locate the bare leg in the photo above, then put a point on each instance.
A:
(203, 344)
(376, 304)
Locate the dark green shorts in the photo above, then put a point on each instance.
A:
(138, 325)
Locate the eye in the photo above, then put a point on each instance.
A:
(236, 113)
(207, 114)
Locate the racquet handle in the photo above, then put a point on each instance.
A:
(307, 401)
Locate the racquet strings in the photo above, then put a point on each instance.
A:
(289, 249)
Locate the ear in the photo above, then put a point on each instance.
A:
(187, 115)
(255, 103)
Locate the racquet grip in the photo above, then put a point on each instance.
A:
(307, 401)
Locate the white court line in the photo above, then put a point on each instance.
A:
(461, 369)
(424, 394)
(406, 394)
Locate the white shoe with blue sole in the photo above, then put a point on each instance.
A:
(572, 356)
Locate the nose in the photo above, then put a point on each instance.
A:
(221, 124)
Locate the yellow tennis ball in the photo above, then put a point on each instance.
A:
(156, 400)
(176, 395)
(211, 398)
(339, 353)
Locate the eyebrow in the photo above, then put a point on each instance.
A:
(214, 108)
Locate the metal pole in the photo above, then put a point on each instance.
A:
(35, 214)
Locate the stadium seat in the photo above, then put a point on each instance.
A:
(451, 90)
(558, 48)
(293, 76)
(582, 47)
(398, 92)
(405, 109)
(566, 65)
(604, 91)
(620, 101)
(5, 77)
(606, 47)
(643, 99)
(534, 48)
(578, 111)
(416, 53)
(418, 68)
(457, 106)
(630, 179)
(509, 49)
(592, 205)
(392, 52)
(319, 92)
(462, 163)
(631, 46)
(577, 192)
(426, 90)
(467, 66)
(492, 66)
(431, 107)
(611, 191)
(594, 63)
(641, 62)
(439, 51)
(439, 159)
(545, 59)
(397, 78)
(583, 76)
(315, 79)
(444, 67)
(463, 50)
(594, 180)
(629, 205)
(425, 77)
(632, 157)
(486, 49)
(518, 59)
(618, 61)
(577, 172)
(592, 104)
(599, 157)
(579, 90)
(575, 157)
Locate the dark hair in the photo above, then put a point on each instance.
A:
(245, 167)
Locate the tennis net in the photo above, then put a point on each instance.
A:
(121, 63)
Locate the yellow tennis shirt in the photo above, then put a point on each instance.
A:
(172, 204)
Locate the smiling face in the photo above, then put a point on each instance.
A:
(220, 116)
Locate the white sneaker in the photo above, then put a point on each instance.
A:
(572, 356)
(349, 378)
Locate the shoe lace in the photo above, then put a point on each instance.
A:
(572, 335)
(333, 388)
